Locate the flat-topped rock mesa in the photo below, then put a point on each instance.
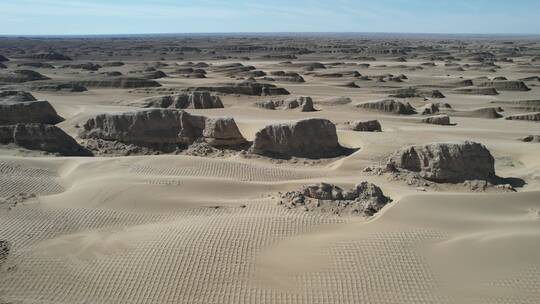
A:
(21, 107)
(450, 162)
(120, 82)
(503, 85)
(191, 100)
(52, 55)
(364, 126)
(388, 106)
(304, 104)
(310, 138)
(43, 137)
(441, 119)
(364, 199)
(244, 88)
(477, 91)
(525, 116)
(162, 129)
(20, 76)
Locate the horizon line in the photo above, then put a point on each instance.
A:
(276, 33)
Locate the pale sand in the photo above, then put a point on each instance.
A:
(181, 229)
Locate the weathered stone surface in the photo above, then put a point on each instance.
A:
(44, 137)
(192, 100)
(477, 91)
(446, 162)
(388, 106)
(365, 126)
(311, 138)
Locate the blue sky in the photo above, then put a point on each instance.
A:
(46, 17)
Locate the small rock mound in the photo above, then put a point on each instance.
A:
(3, 58)
(365, 126)
(41, 137)
(364, 199)
(310, 138)
(441, 119)
(192, 100)
(452, 162)
(388, 106)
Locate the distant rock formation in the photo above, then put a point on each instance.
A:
(388, 106)
(191, 100)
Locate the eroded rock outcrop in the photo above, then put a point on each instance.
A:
(451, 162)
(19, 76)
(162, 129)
(310, 138)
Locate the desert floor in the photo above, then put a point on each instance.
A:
(187, 229)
